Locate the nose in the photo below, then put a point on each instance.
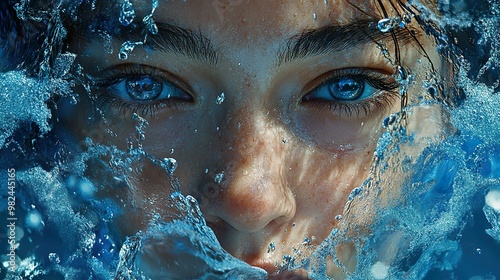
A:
(253, 192)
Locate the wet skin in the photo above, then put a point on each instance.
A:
(290, 152)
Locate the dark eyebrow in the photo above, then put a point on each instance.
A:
(170, 39)
(336, 38)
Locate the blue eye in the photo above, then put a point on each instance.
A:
(352, 92)
(342, 89)
(146, 88)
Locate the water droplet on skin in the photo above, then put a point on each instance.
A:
(219, 177)
(315, 16)
(306, 241)
(169, 164)
(171, 151)
(220, 99)
(384, 25)
(388, 121)
(387, 24)
(206, 171)
(338, 217)
(271, 247)
(402, 73)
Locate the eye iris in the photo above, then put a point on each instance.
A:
(346, 89)
(143, 88)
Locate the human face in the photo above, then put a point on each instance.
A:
(305, 92)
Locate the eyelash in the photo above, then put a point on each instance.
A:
(109, 78)
(386, 95)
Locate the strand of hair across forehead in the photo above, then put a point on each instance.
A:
(397, 53)
(417, 17)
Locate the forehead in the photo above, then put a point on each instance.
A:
(235, 20)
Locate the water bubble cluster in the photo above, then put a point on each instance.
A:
(219, 177)
(54, 258)
(127, 13)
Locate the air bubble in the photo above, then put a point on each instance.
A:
(169, 164)
(34, 220)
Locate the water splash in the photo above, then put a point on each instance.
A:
(127, 13)
(126, 48)
(492, 212)
(170, 250)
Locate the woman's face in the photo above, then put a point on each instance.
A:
(272, 109)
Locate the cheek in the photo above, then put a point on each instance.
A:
(165, 136)
(338, 134)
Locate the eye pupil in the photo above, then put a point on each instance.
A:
(346, 89)
(143, 88)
